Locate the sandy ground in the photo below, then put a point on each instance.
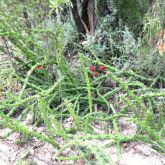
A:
(34, 152)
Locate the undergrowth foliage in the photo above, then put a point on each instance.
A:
(48, 88)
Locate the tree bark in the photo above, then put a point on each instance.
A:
(78, 21)
(91, 16)
(85, 22)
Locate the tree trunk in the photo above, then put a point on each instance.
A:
(91, 16)
(85, 22)
(79, 24)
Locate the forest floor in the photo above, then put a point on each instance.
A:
(15, 150)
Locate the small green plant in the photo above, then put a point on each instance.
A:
(95, 90)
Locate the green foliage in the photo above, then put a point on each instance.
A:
(132, 12)
(87, 81)
(149, 58)
(57, 3)
(53, 90)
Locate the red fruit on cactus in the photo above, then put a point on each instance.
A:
(39, 67)
(96, 74)
(102, 68)
(92, 68)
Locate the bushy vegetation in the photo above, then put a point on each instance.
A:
(47, 73)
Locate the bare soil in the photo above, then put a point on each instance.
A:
(34, 152)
